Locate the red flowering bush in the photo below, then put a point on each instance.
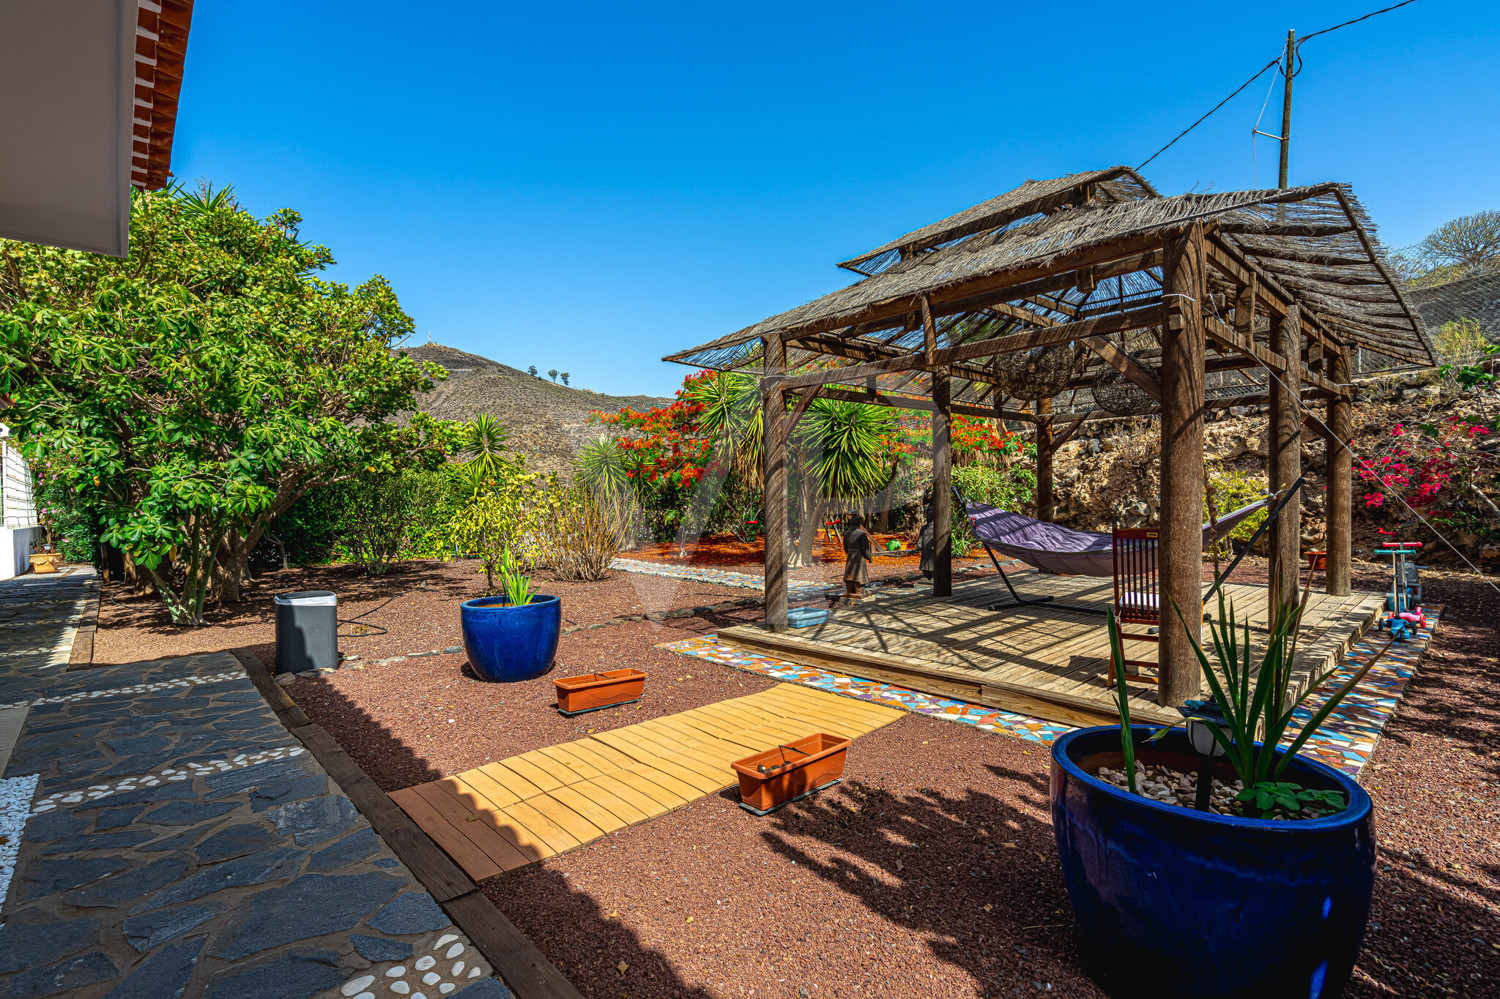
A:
(664, 445)
(1448, 472)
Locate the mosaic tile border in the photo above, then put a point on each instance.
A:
(186, 771)
(990, 719)
(1345, 740)
(133, 689)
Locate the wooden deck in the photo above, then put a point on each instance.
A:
(508, 814)
(1048, 661)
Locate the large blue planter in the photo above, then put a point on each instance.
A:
(1175, 902)
(506, 643)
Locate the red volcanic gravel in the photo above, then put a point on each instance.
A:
(877, 887)
(420, 719)
(930, 871)
(416, 601)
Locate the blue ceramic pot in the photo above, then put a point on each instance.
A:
(506, 643)
(1175, 902)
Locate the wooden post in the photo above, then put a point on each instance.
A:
(1044, 504)
(942, 487)
(1285, 464)
(1339, 469)
(773, 413)
(1182, 409)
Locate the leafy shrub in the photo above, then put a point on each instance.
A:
(380, 519)
(574, 534)
(498, 523)
(1231, 489)
(992, 486)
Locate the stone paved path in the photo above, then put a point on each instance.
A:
(174, 840)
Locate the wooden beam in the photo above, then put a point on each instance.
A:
(1339, 472)
(942, 488)
(1069, 429)
(804, 400)
(773, 448)
(1044, 448)
(1231, 339)
(1244, 271)
(826, 343)
(1140, 318)
(918, 405)
(967, 295)
(1182, 407)
(1125, 365)
(1284, 467)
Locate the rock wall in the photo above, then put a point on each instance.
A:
(1110, 474)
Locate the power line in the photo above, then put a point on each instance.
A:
(1373, 13)
(1267, 66)
(1185, 131)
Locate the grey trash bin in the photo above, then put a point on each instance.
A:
(306, 630)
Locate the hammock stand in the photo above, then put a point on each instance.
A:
(1130, 558)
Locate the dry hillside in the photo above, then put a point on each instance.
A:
(547, 422)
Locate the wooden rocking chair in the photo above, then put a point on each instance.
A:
(1137, 593)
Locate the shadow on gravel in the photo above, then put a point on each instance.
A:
(974, 874)
(386, 759)
(601, 957)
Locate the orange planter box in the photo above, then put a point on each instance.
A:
(592, 691)
(791, 771)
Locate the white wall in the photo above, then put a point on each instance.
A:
(15, 549)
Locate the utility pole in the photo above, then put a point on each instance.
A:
(1286, 105)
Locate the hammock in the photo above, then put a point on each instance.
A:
(1058, 549)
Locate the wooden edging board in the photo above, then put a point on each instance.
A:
(523, 967)
(81, 656)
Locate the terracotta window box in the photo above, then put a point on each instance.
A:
(790, 772)
(593, 691)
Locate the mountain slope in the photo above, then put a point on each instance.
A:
(547, 422)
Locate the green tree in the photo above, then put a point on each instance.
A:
(552, 373)
(564, 376)
(193, 391)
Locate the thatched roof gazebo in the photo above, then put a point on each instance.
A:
(1092, 296)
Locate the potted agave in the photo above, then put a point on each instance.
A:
(511, 635)
(1264, 893)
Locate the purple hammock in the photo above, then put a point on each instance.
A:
(1054, 548)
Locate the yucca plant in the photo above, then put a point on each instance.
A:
(1259, 703)
(514, 583)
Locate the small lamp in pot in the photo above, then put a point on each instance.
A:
(1204, 744)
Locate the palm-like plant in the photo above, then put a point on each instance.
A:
(732, 417)
(484, 443)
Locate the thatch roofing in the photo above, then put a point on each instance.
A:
(1475, 297)
(1033, 198)
(1315, 241)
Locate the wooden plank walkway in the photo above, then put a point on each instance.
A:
(505, 815)
(1048, 660)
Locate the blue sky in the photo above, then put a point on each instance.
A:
(589, 187)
